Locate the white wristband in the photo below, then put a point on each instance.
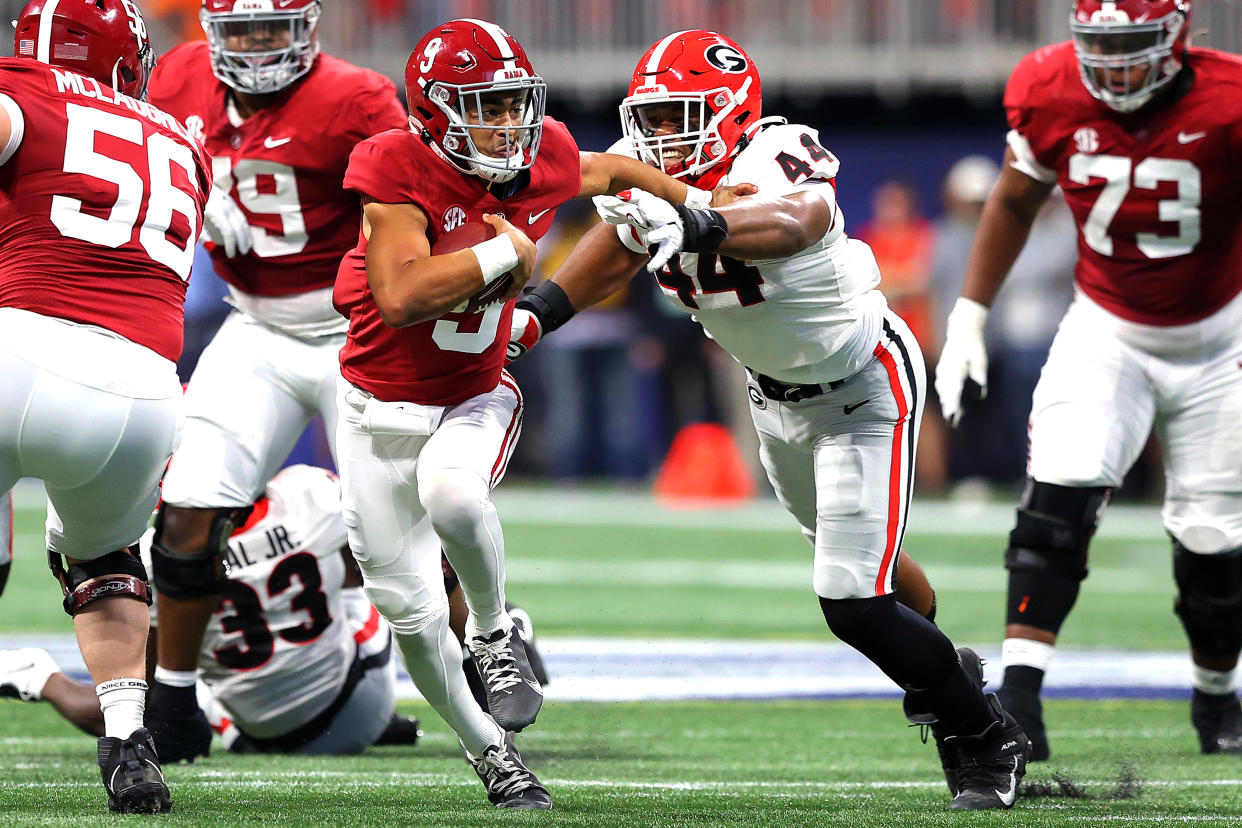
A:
(176, 678)
(968, 315)
(697, 199)
(496, 257)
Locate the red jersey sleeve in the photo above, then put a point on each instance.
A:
(379, 169)
(560, 148)
(378, 109)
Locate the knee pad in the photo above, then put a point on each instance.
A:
(1209, 599)
(1054, 528)
(454, 500)
(396, 597)
(194, 574)
(119, 574)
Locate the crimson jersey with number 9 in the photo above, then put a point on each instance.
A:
(100, 187)
(284, 164)
(1157, 196)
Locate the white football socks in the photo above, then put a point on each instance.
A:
(122, 702)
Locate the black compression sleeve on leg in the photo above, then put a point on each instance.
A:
(1042, 600)
(913, 652)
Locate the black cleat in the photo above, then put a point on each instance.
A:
(131, 774)
(509, 783)
(990, 765)
(947, 750)
(521, 620)
(1218, 720)
(1028, 710)
(514, 695)
(401, 730)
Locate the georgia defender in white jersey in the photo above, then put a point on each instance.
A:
(836, 379)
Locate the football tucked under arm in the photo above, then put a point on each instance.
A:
(470, 234)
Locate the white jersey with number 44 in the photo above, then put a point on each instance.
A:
(811, 317)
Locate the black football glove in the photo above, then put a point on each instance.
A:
(180, 728)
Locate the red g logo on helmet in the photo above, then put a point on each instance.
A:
(1129, 49)
(102, 39)
(693, 98)
(470, 82)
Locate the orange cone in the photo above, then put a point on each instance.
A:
(703, 464)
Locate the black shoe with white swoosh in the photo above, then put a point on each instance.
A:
(990, 765)
(514, 694)
(131, 774)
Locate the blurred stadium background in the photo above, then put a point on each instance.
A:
(901, 91)
(636, 600)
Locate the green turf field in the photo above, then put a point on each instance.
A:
(686, 763)
(733, 583)
(669, 764)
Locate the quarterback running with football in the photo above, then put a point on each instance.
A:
(101, 202)
(836, 380)
(429, 418)
(1142, 133)
(279, 120)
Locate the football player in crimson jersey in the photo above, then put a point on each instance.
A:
(256, 93)
(1142, 133)
(101, 201)
(428, 416)
(836, 379)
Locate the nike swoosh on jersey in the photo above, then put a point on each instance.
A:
(1010, 795)
(534, 217)
(850, 409)
(273, 143)
(1189, 137)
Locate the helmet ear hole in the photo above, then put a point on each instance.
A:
(99, 4)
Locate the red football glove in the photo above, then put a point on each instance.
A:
(526, 331)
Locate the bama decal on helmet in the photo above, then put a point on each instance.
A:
(726, 58)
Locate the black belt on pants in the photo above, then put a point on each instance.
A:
(774, 389)
(296, 739)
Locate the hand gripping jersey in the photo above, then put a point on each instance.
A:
(1157, 196)
(283, 166)
(101, 202)
(277, 651)
(812, 317)
(448, 360)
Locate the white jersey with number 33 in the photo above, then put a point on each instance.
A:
(277, 651)
(811, 317)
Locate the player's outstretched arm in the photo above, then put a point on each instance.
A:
(606, 173)
(762, 227)
(410, 285)
(597, 267)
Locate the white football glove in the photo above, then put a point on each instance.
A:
(963, 356)
(654, 218)
(225, 224)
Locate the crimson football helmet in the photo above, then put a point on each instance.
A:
(1115, 39)
(717, 86)
(450, 72)
(260, 46)
(103, 39)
